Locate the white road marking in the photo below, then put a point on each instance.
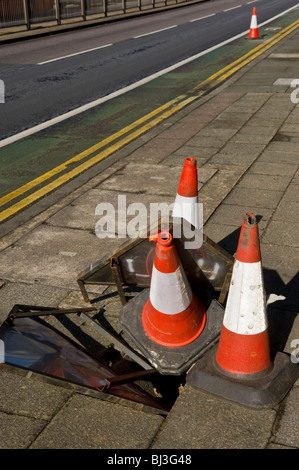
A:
(74, 54)
(233, 8)
(202, 18)
(154, 32)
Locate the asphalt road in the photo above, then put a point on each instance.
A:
(49, 76)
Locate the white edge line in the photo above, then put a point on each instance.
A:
(75, 53)
(202, 18)
(233, 8)
(154, 32)
(92, 104)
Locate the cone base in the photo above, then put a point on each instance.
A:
(250, 390)
(174, 330)
(253, 35)
(167, 360)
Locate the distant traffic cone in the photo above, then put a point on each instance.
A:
(185, 205)
(253, 33)
(240, 368)
(172, 316)
(244, 344)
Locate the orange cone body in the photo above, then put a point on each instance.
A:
(244, 344)
(253, 33)
(186, 198)
(172, 316)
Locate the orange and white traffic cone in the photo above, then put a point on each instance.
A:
(244, 344)
(253, 33)
(185, 205)
(173, 316)
(240, 368)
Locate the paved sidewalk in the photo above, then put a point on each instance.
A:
(245, 138)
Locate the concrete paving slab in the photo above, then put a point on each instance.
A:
(202, 155)
(82, 214)
(233, 215)
(12, 293)
(143, 179)
(269, 156)
(287, 429)
(237, 154)
(278, 233)
(219, 187)
(257, 197)
(287, 210)
(273, 168)
(280, 258)
(31, 397)
(201, 421)
(292, 193)
(54, 256)
(88, 423)
(17, 432)
(265, 182)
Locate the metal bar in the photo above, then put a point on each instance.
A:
(114, 265)
(26, 13)
(126, 378)
(83, 10)
(57, 11)
(83, 290)
(27, 311)
(124, 348)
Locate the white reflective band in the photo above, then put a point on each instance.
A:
(170, 293)
(253, 24)
(187, 208)
(245, 311)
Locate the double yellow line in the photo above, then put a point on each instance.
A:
(130, 132)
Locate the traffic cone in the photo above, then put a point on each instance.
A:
(244, 343)
(253, 33)
(240, 368)
(173, 316)
(185, 205)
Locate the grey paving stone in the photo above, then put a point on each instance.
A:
(145, 179)
(233, 215)
(277, 156)
(273, 168)
(292, 193)
(288, 426)
(287, 210)
(281, 260)
(17, 432)
(255, 181)
(89, 423)
(12, 293)
(201, 421)
(30, 396)
(202, 154)
(282, 234)
(257, 197)
(54, 256)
